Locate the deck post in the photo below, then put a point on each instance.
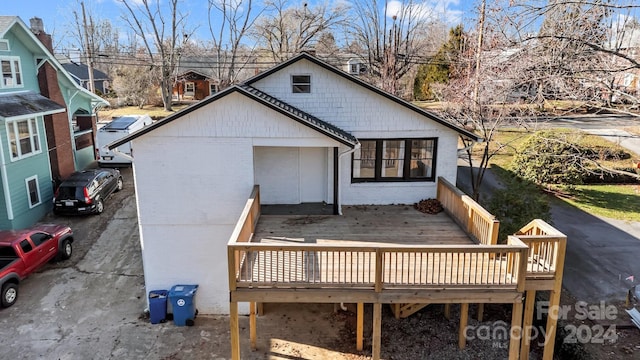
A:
(235, 330)
(359, 326)
(377, 331)
(552, 324)
(462, 332)
(516, 331)
(530, 300)
(447, 311)
(480, 311)
(252, 325)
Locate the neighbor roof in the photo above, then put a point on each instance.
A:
(13, 105)
(293, 112)
(81, 71)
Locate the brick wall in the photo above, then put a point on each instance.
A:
(57, 126)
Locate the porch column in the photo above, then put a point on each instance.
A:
(530, 300)
(516, 331)
(235, 330)
(552, 324)
(359, 326)
(377, 331)
(464, 317)
(336, 181)
(252, 325)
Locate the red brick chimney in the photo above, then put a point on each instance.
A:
(57, 125)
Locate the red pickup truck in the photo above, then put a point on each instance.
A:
(24, 251)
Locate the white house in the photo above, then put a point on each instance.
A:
(304, 131)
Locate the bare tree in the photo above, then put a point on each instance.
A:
(285, 30)
(162, 29)
(228, 34)
(393, 38)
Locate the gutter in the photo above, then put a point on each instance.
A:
(351, 151)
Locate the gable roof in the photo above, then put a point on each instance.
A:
(293, 112)
(9, 22)
(397, 100)
(265, 99)
(81, 71)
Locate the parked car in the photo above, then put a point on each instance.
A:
(24, 251)
(85, 192)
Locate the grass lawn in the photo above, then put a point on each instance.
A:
(156, 112)
(620, 202)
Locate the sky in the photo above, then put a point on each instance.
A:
(56, 14)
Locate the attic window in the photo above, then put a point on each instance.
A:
(301, 84)
(4, 45)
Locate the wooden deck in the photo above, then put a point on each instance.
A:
(373, 225)
(394, 255)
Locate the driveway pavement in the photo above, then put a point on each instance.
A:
(601, 253)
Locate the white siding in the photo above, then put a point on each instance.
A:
(366, 115)
(193, 177)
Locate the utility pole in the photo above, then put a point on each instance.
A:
(88, 50)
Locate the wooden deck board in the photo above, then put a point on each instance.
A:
(387, 224)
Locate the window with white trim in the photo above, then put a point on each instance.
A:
(301, 84)
(23, 138)
(33, 191)
(11, 72)
(388, 160)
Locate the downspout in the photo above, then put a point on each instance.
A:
(357, 147)
(5, 183)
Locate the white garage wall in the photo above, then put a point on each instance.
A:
(193, 177)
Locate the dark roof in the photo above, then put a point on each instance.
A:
(303, 117)
(333, 69)
(263, 98)
(81, 71)
(27, 103)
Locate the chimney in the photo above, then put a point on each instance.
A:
(37, 26)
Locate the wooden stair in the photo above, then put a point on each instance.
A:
(401, 311)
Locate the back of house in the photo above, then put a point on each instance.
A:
(116, 130)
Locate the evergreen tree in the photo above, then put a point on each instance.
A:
(439, 68)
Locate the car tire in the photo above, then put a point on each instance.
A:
(120, 184)
(99, 207)
(66, 249)
(9, 294)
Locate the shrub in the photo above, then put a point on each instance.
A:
(516, 205)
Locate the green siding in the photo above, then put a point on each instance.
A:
(17, 172)
(27, 63)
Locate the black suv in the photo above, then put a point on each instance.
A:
(85, 191)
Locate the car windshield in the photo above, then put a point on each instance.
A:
(70, 193)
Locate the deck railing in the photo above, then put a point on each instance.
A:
(481, 225)
(547, 248)
(377, 267)
(244, 230)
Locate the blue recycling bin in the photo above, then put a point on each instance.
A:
(183, 302)
(158, 306)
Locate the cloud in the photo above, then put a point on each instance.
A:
(443, 10)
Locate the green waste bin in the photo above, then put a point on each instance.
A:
(183, 302)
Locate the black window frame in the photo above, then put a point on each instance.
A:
(300, 87)
(406, 177)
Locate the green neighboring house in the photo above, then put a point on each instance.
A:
(47, 123)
